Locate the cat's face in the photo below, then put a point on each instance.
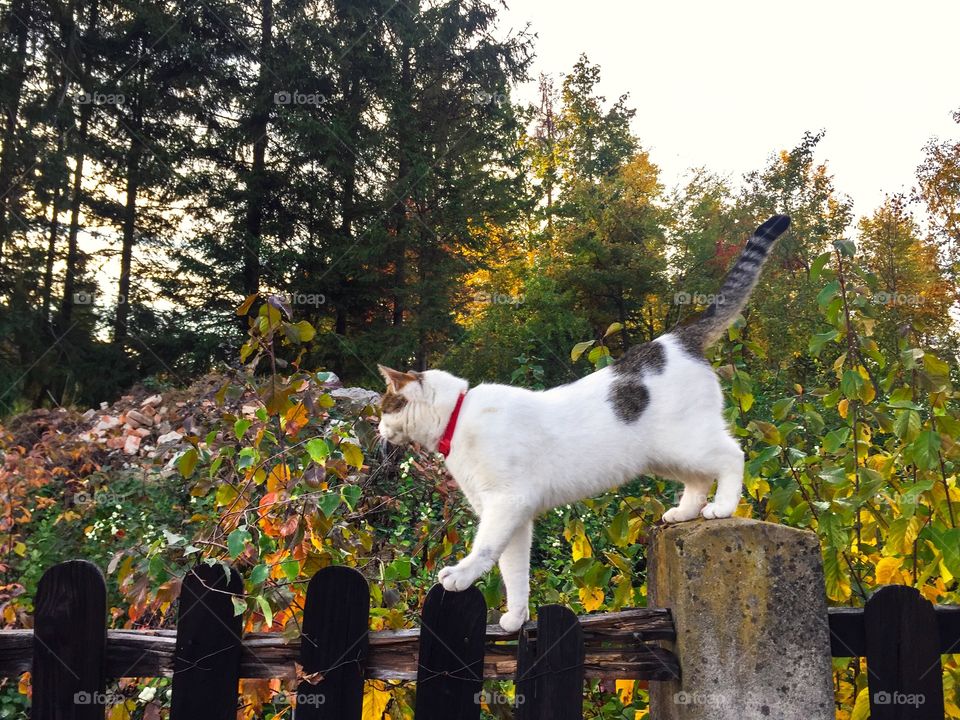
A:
(403, 390)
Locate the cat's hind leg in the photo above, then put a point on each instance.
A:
(729, 473)
(501, 517)
(692, 501)
(515, 569)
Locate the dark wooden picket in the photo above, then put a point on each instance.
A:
(334, 646)
(450, 666)
(69, 643)
(549, 684)
(903, 655)
(900, 634)
(206, 664)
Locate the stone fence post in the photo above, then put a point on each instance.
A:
(750, 611)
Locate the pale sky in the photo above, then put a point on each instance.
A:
(724, 84)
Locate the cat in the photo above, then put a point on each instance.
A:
(516, 453)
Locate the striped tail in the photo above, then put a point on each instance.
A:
(706, 329)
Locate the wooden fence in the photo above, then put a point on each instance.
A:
(72, 654)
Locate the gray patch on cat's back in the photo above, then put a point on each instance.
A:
(628, 394)
(629, 398)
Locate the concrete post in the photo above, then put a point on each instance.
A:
(750, 610)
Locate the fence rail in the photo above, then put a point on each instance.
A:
(393, 653)
(72, 654)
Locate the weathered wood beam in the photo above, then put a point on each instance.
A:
(615, 645)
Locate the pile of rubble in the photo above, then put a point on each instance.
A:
(138, 429)
(153, 427)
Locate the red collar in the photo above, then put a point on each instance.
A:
(444, 447)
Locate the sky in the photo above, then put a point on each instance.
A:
(725, 84)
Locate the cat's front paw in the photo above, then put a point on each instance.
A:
(511, 621)
(717, 510)
(457, 577)
(675, 515)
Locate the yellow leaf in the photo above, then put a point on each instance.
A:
(842, 407)
(278, 479)
(581, 547)
(23, 687)
(376, 697)
(296, 415)
(888, 571)
(625, 690)
(352, 454)
(245, 306)
(861, 709)
(592, 598)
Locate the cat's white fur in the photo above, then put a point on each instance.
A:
(516, 453)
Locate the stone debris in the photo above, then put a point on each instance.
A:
(146, 427)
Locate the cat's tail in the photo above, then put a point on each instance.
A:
(737, 286)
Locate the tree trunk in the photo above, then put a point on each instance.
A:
(16, 77)
(52, 241)
(73, 250)
(126, 254)
(76, 203)
(404, 135)
(256, 180)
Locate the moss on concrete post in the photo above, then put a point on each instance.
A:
(750, 610)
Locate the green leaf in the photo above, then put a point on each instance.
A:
(305, 330)
(818, 341)
(828, 292)
(187, 463)
(237, 541)
(399, 569)
(319, 450)
(580, 348)
(290, 569)
(329, 502)
(832, 528)
(817, 267)
(924, 450)
(847, 248)
(351, 495)
(265, 609)
(240, 428)
(906, 424)
(782, 407)
(239, 605)
(259, 574)
(851, 384)
(835, 439)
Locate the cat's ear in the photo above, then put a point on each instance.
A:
(396, 379)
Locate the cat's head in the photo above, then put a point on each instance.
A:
(417, 405)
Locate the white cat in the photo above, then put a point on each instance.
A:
(516, 453)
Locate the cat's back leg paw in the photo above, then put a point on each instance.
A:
(512, 621)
